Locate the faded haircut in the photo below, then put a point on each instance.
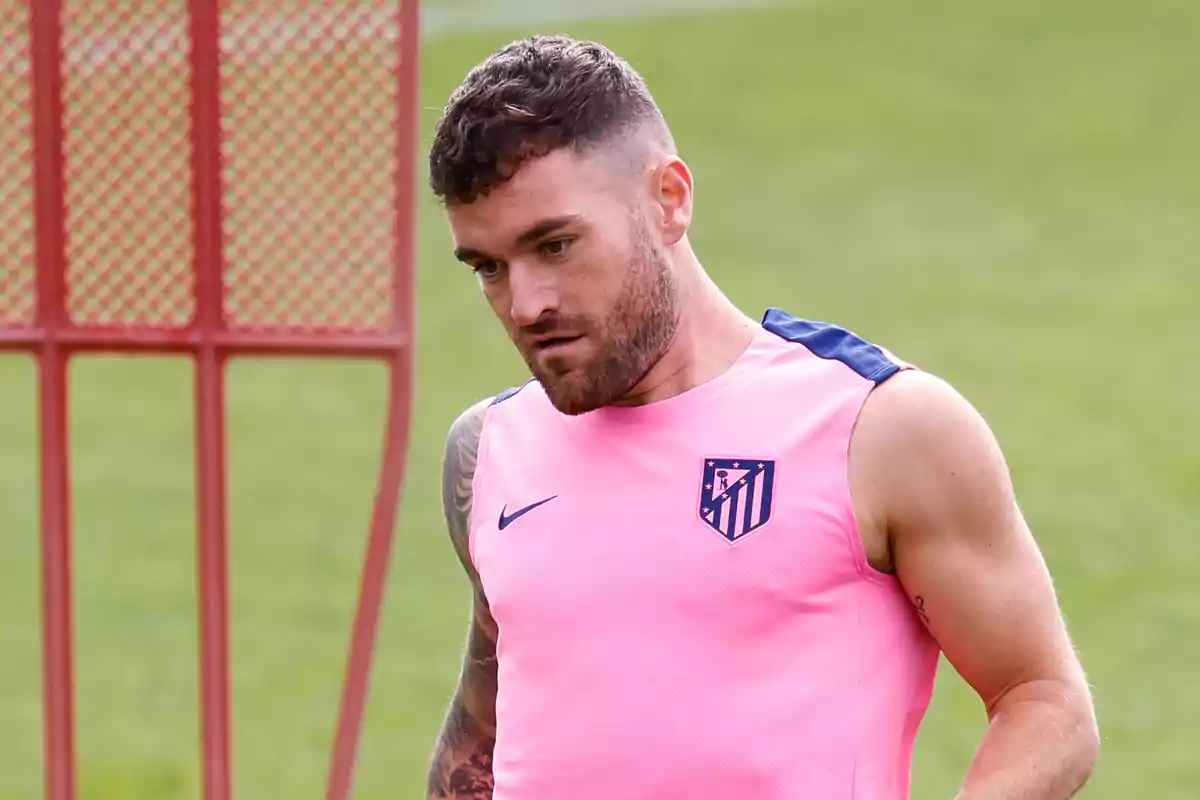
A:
(528, 99)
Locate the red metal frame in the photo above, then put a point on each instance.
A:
(53, 338)
(49, 215)
(208, 272)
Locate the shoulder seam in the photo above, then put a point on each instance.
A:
(857, 354)
(509, 393)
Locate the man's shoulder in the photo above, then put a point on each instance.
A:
(920, 441)
(918, 410)
(467, 428)
(468, 425)
(471, 418)
(510, 393)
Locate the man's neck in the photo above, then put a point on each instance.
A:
(711, 336)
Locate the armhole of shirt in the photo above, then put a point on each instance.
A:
(481, 458)
(872, 366)
(854, 540)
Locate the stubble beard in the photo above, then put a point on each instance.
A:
(628, 343)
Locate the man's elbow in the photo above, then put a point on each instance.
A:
(1079, 735)
(1085, 744)
(1061, 720)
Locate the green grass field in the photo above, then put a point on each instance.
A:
(1004, 192)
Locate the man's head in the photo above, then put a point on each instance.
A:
(563, 192)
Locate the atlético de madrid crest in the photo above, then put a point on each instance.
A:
(735, 495)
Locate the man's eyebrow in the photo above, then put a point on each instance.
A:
(546, 226)
(468, 254)
(537, 231)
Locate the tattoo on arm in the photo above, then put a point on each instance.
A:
(458, 473)
(919, 605)
(462, 762)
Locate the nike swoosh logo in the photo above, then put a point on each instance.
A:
(505, 521)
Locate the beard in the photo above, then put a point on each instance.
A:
(625, 344)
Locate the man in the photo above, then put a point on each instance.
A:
(712, 557)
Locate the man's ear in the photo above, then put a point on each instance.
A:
(673, 193)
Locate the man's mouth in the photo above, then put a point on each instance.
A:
(554, 343)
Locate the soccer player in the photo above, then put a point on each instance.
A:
(714, 557)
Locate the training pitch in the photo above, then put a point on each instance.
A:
(1003, 192)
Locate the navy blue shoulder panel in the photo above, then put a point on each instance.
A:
(507, 393)
(831, 342)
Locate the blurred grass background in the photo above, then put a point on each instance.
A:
(1004, 192)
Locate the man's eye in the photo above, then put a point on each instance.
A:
(487, 269)
(555, 247)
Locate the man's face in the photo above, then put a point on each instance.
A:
(579, 279)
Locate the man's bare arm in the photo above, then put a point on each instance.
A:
(972, 569)
(462, 761)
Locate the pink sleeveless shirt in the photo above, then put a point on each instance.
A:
(684, 605)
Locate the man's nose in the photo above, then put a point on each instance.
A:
(533, 295)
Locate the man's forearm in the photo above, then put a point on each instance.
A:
(1041, 744)
(462, 762)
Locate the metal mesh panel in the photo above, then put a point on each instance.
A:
(17, 301)
(308, 95)
(128, 175)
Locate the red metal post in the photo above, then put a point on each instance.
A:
(57, 650)
(374, 576)
(212, 553)
(212, 546)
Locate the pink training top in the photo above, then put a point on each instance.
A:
(684, 605)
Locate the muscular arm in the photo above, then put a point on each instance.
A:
(462, 761)
(932, 469)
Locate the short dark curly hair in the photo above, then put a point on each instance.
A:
(528, 99)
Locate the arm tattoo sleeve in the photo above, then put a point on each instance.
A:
(462, 762)
(458, 472)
